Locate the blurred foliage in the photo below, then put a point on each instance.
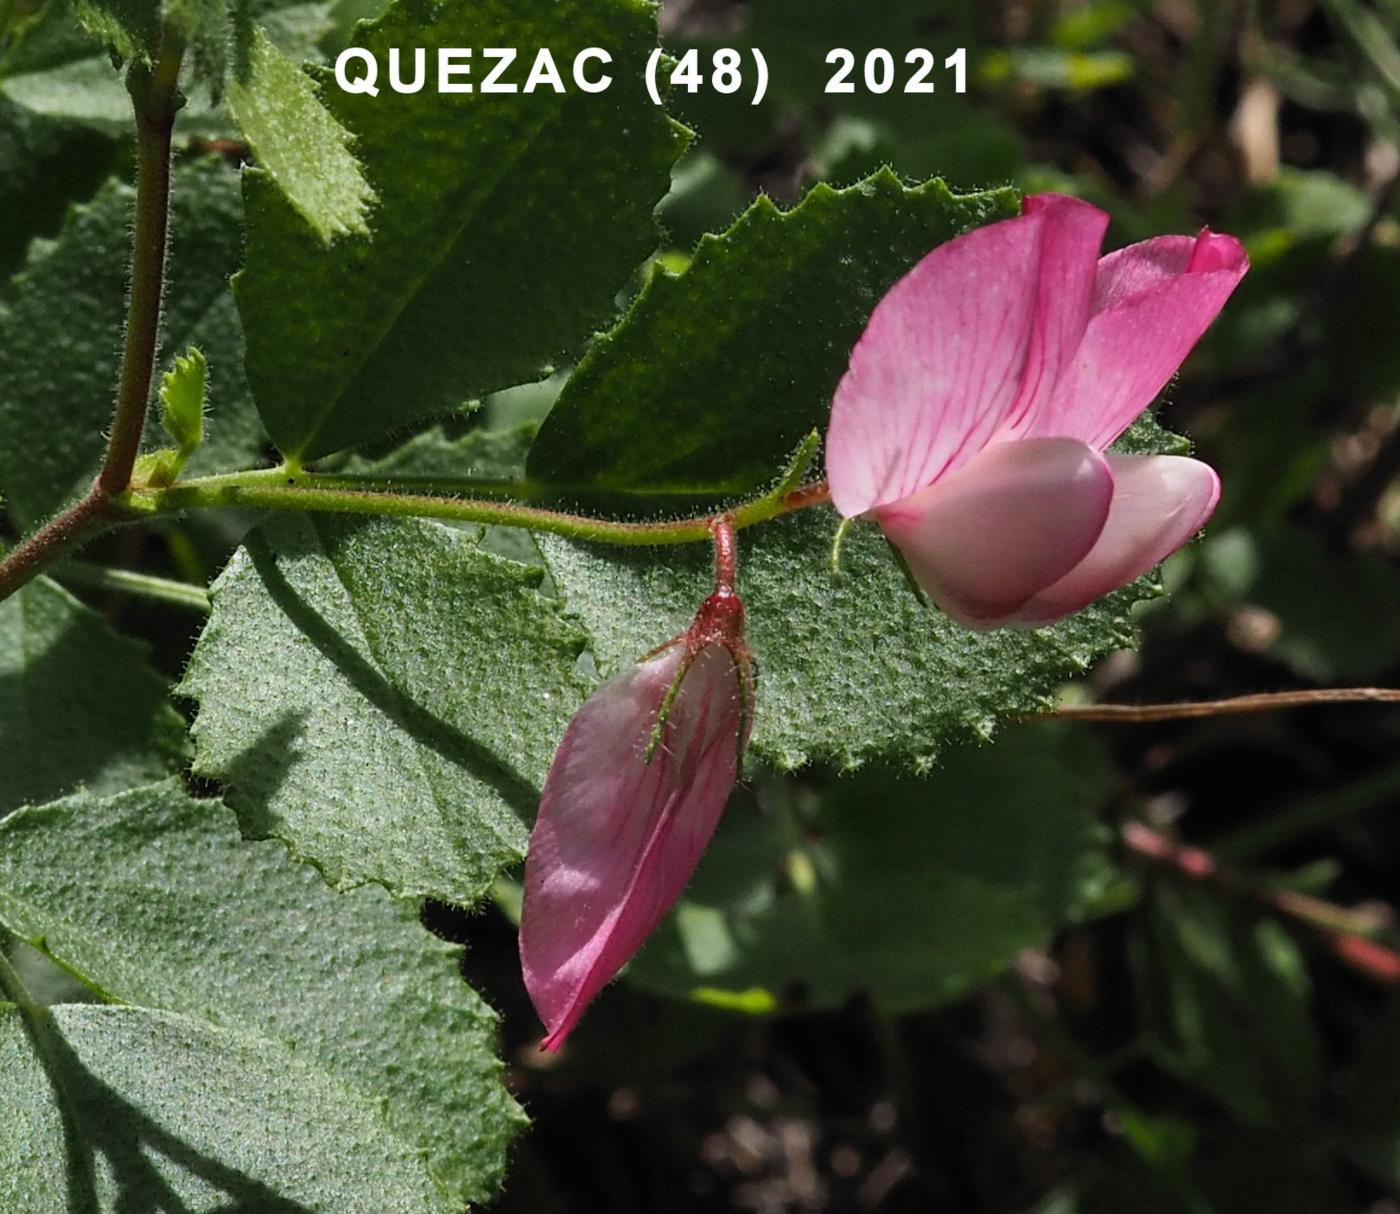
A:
(973, 865)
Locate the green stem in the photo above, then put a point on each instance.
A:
(424, 486)
(156, 101)
(13, 989)
(142, 585)
(280, 490)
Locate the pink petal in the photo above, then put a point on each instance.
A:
(1159, 502)
(1152, 302)
(973, 337)
(1014, 520)
(1141, 267)
(1064, 301)
(617, 837)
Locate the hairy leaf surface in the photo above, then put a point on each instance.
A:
(295, 138)
(851, 667)
(80, 706)
(154, 900)
(144, 1107)
(716, 374)
(44, 165)
(469, 282)
(384, 696)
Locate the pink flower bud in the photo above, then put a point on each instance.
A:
(973, 420)
(634, 794)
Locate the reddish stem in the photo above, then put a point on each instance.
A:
(726, 553)
(1340, 929)
(1268, 701)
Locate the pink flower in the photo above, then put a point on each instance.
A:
(632, 798)
(973, 420)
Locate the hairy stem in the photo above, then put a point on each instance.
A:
(726, 555)
(156, 100)
(303, 491)
(424, 486)
(75, 526)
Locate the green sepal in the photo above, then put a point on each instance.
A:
(910, 580)
(659, 728)
(157, 469)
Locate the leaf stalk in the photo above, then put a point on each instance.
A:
(278, 489)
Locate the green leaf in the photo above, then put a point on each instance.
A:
(496, 454)
(143, 1109)
(54, 68)
(302, 31)
(182, 400)
(470, 282)
(716, 374)
(295, 138)
(914, 891)
(1203, 970)
(181, 417)
(384, 696)
(44, 165)
(153, 899)
(851, 667)
(131, 28)
(80, 705)
(60, 330)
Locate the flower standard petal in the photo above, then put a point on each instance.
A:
(1069, 262)
(1159, 502)
(970, 339)
(1152, 303)
(986, 538)
(619, 834)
